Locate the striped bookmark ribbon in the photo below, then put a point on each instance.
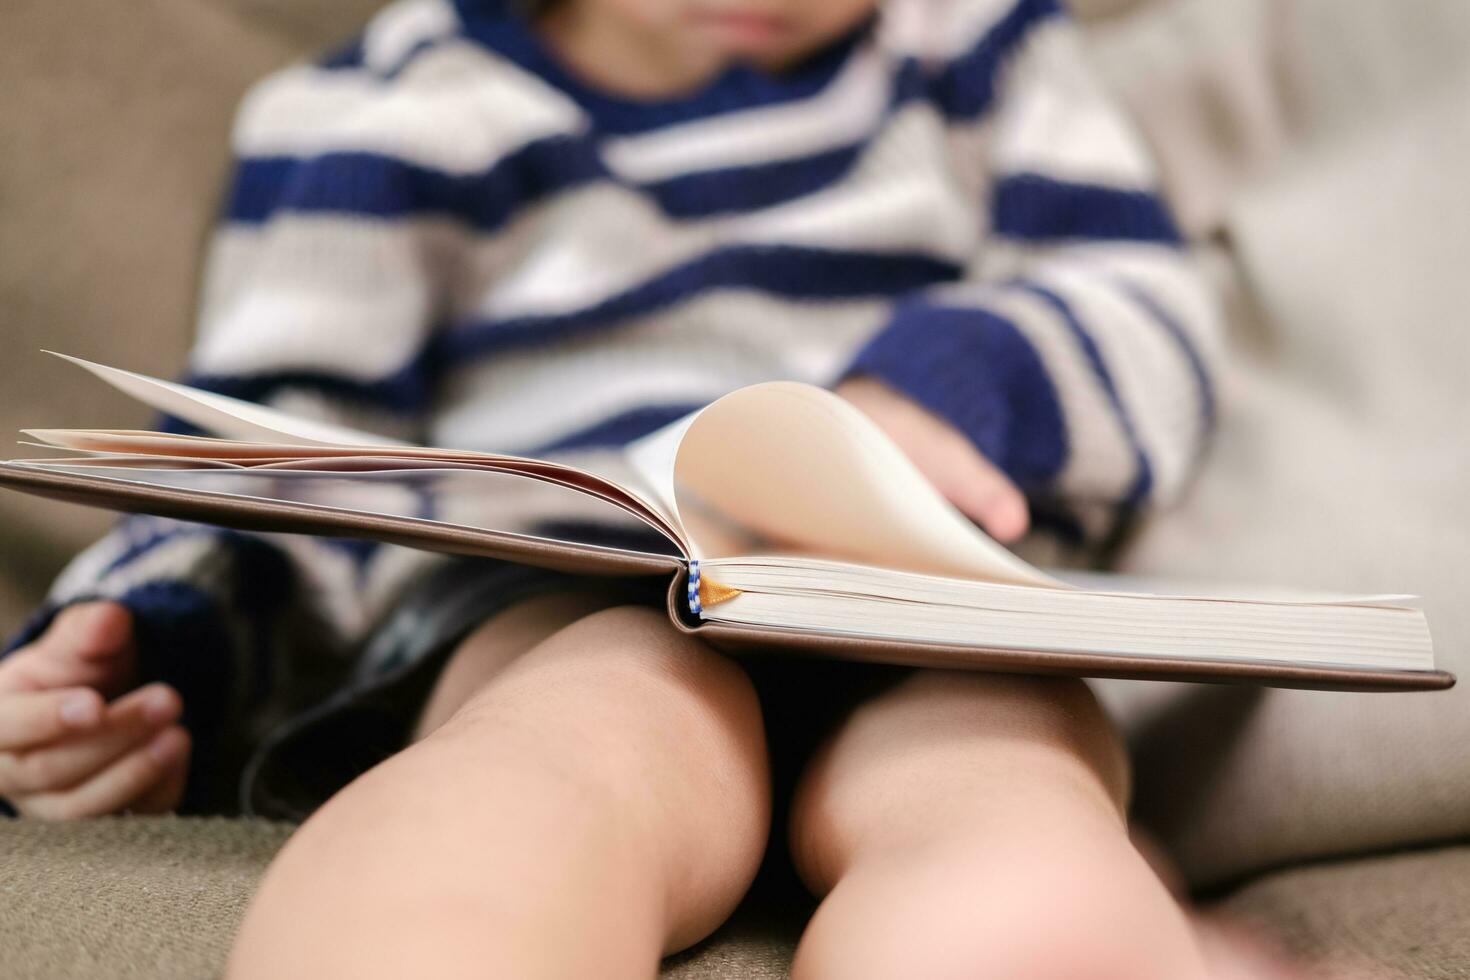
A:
(695, 605)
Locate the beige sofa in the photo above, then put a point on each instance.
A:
(1316, 146)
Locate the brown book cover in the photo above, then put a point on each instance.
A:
(902, 578)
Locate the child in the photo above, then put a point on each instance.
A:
(552, 229)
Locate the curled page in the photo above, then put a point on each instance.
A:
(802, 471)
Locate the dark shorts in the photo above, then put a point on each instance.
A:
(305, 761)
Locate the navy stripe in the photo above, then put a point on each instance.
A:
(406, 391)
(262, 572)
(380, 186)
(1191, 353)
(619, 430)
(147, 543)
(374, 185)
(257, 188)
(377, 186)
(966, 86)
(499, 27)
(712, 192)
(345, 57)
(352, 56)
(358, 550)
(787, 271)
(30, 631)
(978, 371)
(1143, 479)
(385, 187)
(183, 639)
(1031, 207)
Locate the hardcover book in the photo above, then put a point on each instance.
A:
(783, 517)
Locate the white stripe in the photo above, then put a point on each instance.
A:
(1170, 276)
(400, 27)
(346, 595)
(968, 145)
(195, 557)
(1100, 463)
(1056, 118)
(939, 30)
(898, 198)
(690, 353)
(330, 576)
(321, 291)
(1150, 372)
(846, 111)
(308, 280)
(456, 108)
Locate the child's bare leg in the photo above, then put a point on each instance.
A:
(600, 801)
(968, 825)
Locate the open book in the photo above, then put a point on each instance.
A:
(784, 518)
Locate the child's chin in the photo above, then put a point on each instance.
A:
(744, 42)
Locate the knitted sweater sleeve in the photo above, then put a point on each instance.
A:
(1078, 353)
(320, 313)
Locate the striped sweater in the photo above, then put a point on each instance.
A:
(439, 233)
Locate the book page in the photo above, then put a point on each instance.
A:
(802, 471)
(231, 418)
(249, 433)
(465, 496)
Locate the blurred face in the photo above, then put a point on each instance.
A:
(715, 33)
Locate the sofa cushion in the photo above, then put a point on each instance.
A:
(115, 135)
(1341, 463)
(156, 897)
(1401, 917)
(161, 897)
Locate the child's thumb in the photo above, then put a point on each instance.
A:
(90, 631)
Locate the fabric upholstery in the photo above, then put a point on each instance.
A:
(128, 896)
(1400, 917)
(161, 897)
(1342, 464)
(113, 120)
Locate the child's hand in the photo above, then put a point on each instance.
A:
(943, 454)
(66, 753)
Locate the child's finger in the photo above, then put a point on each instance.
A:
(164, 797)
(17, 671)
(30, 718)
(115, 787)
(88, 630)
(89, 644)
(985, 495)
(130, 721)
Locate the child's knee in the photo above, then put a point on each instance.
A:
(482, 655)
(654, 722)
(1044, 917)
(1060, 713)
(942, 750)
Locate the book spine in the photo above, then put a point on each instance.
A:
(696, 605)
